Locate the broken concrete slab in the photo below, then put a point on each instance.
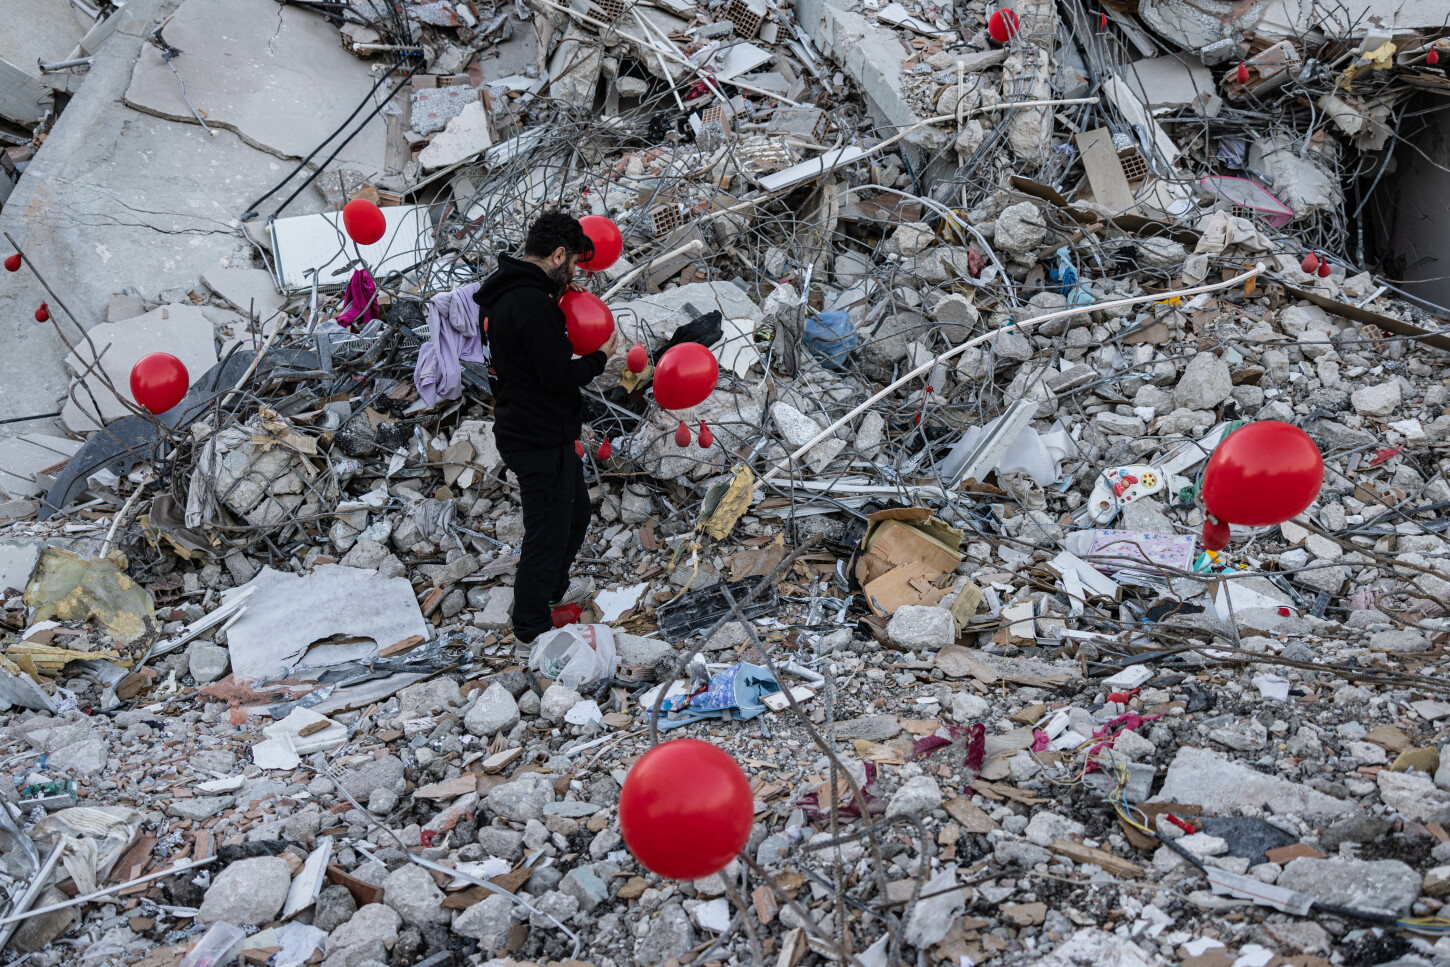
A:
(1203, 778)
(181, 330)
(246, 290)
(25, 458)
(465, 136)
(283, 80)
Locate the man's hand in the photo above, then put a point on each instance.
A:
(612, 344)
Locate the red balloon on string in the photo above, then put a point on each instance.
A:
(685, 376)
(608, 243)
(1310, 265)
(636, 359)
(1215, 535)
(1002, 26)
(363, 221)
(1242, 73)
(707, 439)
(1263, 473)
(1324, 268)
(579, 448)
(12, 262)
(605, 450)
(685, 809)
(682, 435)
(159, 381)
(1433, 57)
(588, 319)
(42, 312)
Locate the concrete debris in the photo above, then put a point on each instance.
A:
(982, 311)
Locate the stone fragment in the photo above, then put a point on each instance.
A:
(522, 799)
(921, 626)
(248, 892)
(1385, 886)
(1203, 778)
(1379, 400)
(1206, 382)
(916, 797)
(495, 711)
(411, 891)
(1416, 797)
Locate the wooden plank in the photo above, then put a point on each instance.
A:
(1105, 171)
(1079, 853)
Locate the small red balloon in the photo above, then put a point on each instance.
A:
(1433, 57)
(42, 313)
(159, 381)
(1002, 26)
(1262, 473)
(685, 376)
(1215, 536)
(1324, 268)
(685, 809)
(363, 221)
(12, 262)
(605, 450)
(588, 320)
(579, 448)
(636, 359)
(1310, 265)
(1103, 23)
(707, 439)
(1242, 73)
(608, 243)
(682, 435)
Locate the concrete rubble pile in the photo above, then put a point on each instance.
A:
(936, 528)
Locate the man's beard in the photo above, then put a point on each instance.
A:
(561, 277)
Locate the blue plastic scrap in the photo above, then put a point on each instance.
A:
(737, 693)
(1066, 276)
(830, 337)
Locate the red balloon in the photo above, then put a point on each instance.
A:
(682, 435)
(685, 376)
(685, 809)
(12, 262)
(636, 359)
(159, 381)
(364, 221)
(42, 312)
(608, 243)
(588, 319)
(707, 439)
(579, 448)
(1242, 73)
(605, 450)
(1324, 269)
(1002, 26)
(1433, 57)
(1310, 265)
(1263, 473)
(1215, 536)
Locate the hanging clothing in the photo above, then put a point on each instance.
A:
(360, 301)
(453, 337)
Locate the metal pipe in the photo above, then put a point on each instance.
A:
(47, 66)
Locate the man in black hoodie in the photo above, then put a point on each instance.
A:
(538, 409)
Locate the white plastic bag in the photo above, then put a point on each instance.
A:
(575, 655)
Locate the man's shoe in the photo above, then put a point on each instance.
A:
(579, 590)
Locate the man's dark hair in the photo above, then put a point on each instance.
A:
(554, 229)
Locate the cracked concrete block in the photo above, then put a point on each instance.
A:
(465, 136)
(284, 78)
(245, 290)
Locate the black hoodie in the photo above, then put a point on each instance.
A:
(537, 403)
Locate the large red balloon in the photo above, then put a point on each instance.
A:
(608, 243)
(364, 221)
(685, 809)
(1263, 473)
(588, 319)
(1002, 26)
(159, 381)
(685, 376)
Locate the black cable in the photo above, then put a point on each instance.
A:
(251, 212)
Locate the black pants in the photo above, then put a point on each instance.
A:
(556, 518)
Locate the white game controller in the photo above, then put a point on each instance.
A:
(1117, 486)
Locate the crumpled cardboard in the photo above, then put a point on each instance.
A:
(905, 554)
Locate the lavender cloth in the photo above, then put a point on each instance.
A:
(453, 337)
